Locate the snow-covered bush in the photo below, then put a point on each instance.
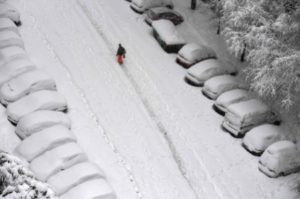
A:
(17, 182)
(266, 33)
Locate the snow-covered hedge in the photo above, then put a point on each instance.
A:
(17, 182)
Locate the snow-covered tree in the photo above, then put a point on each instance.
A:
(17, 182)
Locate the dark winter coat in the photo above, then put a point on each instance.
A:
(121, 51)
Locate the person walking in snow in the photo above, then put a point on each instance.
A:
(120, 54)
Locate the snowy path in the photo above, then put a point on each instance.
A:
(153, 135)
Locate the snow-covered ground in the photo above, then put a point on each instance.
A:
(152, 134)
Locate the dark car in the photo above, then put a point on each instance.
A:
(163, 13)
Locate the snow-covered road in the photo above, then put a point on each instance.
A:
(153, 135)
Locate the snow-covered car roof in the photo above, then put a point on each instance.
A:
(206, 69)
(218, 83)
(248, 108)
(90, 189)
(232, 96)
(167, 32)
(39, 120)
(24, 84)
(193, 51)
(158, 10)
(44, 140)
(260, 137)
(10, 38)
(7, 10)
(40, 100)
(73, 176)
(10, 53)
(8, 24)
(15, 68)
(56, 159)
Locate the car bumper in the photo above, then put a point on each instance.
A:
(209, 94)
(183, 62)
(219, 109)
(233, 130)
(252, 150)
(137, 9)
(268, 172)
(192, 80)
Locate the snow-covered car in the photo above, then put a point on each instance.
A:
(91, 189)
(8, 24)
(73, 176)
(15, 68)
(230, 97)
(192, 53)
(9, 11)
(10, 38)
(11, 53)
(24, 84)
(44, 140)
(217, 85)
(163, 13)
(39, 120)
(57, 159)
(141, 6)
(259, 138)
(40, 100)
(204, 70)
(279, 159)
(243, 116)
(167, 36)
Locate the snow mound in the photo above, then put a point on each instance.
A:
(167, 32)
(73, 176)
(15, 68)
(93, 189)
(8, 24)
(10, 38)
(204, 70)
(220, 84)
(260, 137)
(11, 53)
(192, 53)
(44, 140)
(40, 100)
(39, 120)
(231, 97)
(248, 108)
(24, 84)
(9, 11)
(59, 158)
(280, 158)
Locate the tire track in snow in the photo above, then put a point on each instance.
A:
(144, 99)
(122, 161)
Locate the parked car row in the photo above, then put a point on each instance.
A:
(39, 112)
(244, 114)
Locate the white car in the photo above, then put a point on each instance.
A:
(158, 13)
(11, 53)
(192, 53)
(217, 85)
(73, 176)
(141, 6)
(10, 38)
(57, 159)
(280, 158)
(15, 68)
(167, 36)
(91, 189)
(44, 140)
(39, 120)
(204, 70)
(259, 138)
(40, 100)
(8, 24)
(24, 84)
(243, 116)
(230, 97)
(9, 11)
